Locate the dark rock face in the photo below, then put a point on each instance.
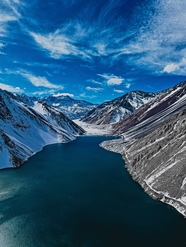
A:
(117, 109)
(4, 112)
(153, 145)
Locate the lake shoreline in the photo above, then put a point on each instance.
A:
(111, 146)
(155, 194)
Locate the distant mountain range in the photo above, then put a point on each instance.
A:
(26, 125)
(72, 108)
(115, 110)
(153, 145)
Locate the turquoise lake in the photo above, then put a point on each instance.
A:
(80, 195)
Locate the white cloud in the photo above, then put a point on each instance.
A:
(118, 91)
(63, 94)
(58, 45)
(170, 68)
(94, 89)
(6, 18)
(112, 79)
(127, 85)
(39, 81)
(178, 68)
(115, 81)
(11, 88)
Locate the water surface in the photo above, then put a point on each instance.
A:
(79, 195)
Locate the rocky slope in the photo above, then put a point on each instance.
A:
(154, 147)
(72, 108)
(27, 125)
(115, 110)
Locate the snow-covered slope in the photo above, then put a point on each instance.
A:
(115, 110)
(154, 146)
(27, 125)
(72, 108)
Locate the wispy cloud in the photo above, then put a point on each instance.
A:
(111, 79)
(86, 40)
(161, 33)
(40, 81)
(14, 5)
(5, 18)
(37, 81)
(59, 45)
(118, 91)
(94, 89)
(9, 13)
(11, 88)
(94, 81)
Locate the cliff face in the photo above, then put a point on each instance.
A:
(155, 150)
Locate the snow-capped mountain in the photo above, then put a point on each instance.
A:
(72, 108)
(154, 146)
(115, 110)
(152, 114)
(26, 125)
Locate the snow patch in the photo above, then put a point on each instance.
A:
(93, 129)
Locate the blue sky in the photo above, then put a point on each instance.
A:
(91, 50)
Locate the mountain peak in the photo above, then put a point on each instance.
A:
(117, 109)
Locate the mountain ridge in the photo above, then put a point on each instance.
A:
(118, 108)
(26, 129)
(72, 108)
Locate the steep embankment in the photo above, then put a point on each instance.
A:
(154, 149)
(158, 162)
(26, 128)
